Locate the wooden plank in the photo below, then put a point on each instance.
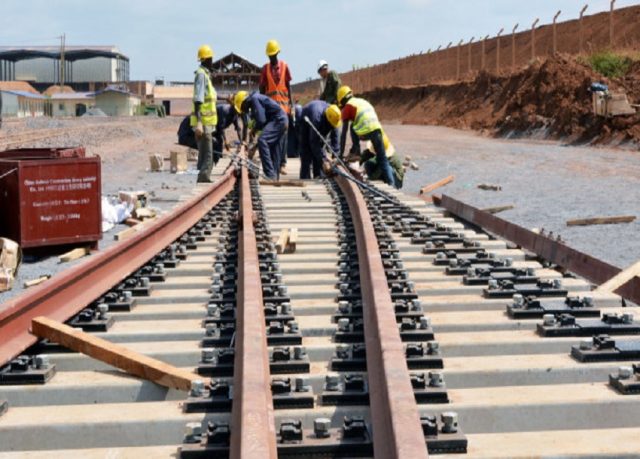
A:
(113, 354)
(38, 281)
(282, 183)
(498, 209)
(73, 254)
(601, 220)
(293, 240)
(281, 244)
(620, 279)
(434, 186)
(126, 234)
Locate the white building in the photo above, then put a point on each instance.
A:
(117, 102)
(22, 104)
(71, 103)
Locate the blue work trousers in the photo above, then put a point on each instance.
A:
(381, 155)
(271, 145)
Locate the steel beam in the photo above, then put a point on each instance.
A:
(582, 264)
(253, 433)
(68, 292)
(397, 431)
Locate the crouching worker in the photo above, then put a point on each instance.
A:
(361, 121)
(369, 162)
(272, 121)
(325, 119)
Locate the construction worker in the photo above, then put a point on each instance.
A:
(275, 82)
(326, 120)
(204, 117)
(361, 120)
(329, 83)
(227, 116)
(369, 162)
(272, 121)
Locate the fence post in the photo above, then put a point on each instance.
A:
(555, 36)
(458, 48)
(581, 31)
(513, 46)
(482, 60)
(533, 38)
(498, 50)
(611, 36)
(469, 55)
(445, 75)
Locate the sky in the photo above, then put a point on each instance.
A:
(161, 37)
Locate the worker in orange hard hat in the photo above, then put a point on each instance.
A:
(275, 82)
(204, 117)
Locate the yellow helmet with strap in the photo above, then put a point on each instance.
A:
(205, 52)
(273, 48)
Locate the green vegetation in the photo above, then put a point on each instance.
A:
(609, 64)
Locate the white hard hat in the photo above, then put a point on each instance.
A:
(322, 64)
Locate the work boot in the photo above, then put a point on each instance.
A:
(204, 180)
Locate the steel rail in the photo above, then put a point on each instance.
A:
(253, 433)
(67, 293)
(397, 431)
(582, 264)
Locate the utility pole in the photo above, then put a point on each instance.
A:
(613, 3)
(498, 50)
(482, 61)
(533, 38)
(581, 32)
(555, 37)
(469, 55)
(513, 45)
(458, 59)
(62, 62)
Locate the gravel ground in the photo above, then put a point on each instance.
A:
(547, 182)
(125, 166)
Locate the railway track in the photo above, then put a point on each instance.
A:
(381, 334)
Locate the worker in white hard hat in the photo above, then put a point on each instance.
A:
(204, 117)
(329, 83)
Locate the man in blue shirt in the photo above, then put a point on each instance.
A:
(272, 121)
(321, 115)
(227, 116)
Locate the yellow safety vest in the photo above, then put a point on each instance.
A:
(366, 120)
(389, 149)
(208, 112)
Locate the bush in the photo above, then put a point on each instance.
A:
(610, 64)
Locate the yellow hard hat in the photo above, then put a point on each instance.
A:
(273, 48)
(333, 115)
(204, 52)
(343, 92)
(239, 98)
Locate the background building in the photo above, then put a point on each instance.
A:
(86, 68)
(117, 102)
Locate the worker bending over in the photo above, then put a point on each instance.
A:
(269, 118)
(325, 119)
(369, 162)
(361, 120)
(275, 82)
(203, 113)
(227, 116)
(329, 83)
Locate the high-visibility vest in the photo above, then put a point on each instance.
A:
(279, 92)
(389, 149)
(366, 120)
(208, 112)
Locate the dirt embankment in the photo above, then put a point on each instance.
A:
(549, 99)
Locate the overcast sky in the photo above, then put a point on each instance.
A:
(161, 37)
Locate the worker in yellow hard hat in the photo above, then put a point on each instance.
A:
(269, 118)
(369, 161)
(275, 82)
(325, 119)
(204, 117)
(361, 120)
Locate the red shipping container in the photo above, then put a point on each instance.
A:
(50, 198)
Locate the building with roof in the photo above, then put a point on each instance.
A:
(86, 68)
(114, 101)
(21, 104)
(71, 103)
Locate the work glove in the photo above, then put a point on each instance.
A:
(327, 168)
(199, 131)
